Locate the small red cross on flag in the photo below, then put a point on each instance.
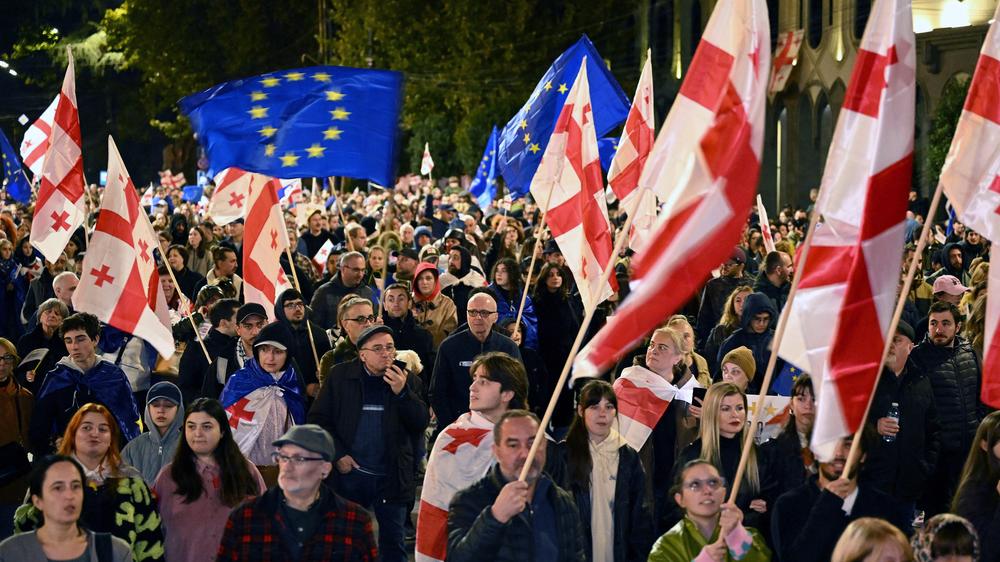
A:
(787, 50)
(228, 201)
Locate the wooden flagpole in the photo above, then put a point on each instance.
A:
(534, 258)
(185, 302)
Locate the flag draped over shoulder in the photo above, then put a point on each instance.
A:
(60, 208)
(308, 122)
(704, 170)
(643, 397)
(971, 180)
(119, 282)
(569, 188)
(15, 181)
(847, 292)
(484, 185)
(462, 454)
(524, 138)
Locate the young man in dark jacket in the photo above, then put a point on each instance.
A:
(309, 340)
(507, 520)
(755, 332)
(195, 378)
(373, 410)
(396, 314)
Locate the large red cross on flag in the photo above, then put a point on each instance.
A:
(569, 178)
(837, 325)
(60, 208)
(971, 180)
(36, 140)
(119, 282)
(704, 170)
(633, 150)
(229, 199)
(264, 240)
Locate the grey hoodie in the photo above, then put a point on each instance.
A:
(149, 452)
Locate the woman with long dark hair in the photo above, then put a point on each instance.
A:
(978, 495)
(788, 454)
(56, 489)
(607, 480)
(208, 477)
(200, 242)
(729, 323)
(507, 286)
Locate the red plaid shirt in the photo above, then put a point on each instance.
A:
(253, 532)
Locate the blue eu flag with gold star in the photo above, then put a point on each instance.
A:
(484, 185)
(14, 179)
(786, 378)
(524, 138)
(308, 122)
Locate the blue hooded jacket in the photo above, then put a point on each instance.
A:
(759, 344)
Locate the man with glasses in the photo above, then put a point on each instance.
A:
(354, 314)
(347, 281)
(372, 409)
(300, 518)
(42, 347)
(309, 340)
(449, 388)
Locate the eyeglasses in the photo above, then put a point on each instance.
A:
(362, 319)
(380, 348)
(8, 358)
(712, 484)
(660, 347)
(481, 313)
(354, 269)
(295, 460)
(297, 304)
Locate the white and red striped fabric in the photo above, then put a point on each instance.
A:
(837, 326)
(643, 397)
(171, 180)
(61, 208)
(462, 454)
(971, 180)
(704, 170)
(633, 150)
(264, 240)
(229, 198)
(577, 212)
(36, 140)
(427, 163)
(788, 49)
(765, 225)
(119, 282)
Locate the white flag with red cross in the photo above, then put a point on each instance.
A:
(172, 180)
(119, 282)
(264, 240)
(971, 180)
(633, 150)
(36, 140)
(704, 170)
(570, 179)
(426, 163)
(461, 456)
(229, 198)
(784, 59)
(765, 225)
(61, 206)
(847, 293)
(643, 397)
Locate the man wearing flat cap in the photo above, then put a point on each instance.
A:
(372, 409)
(300, 518)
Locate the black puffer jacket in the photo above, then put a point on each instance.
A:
(954, 373)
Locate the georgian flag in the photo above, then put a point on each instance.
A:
(426, 163)
(765, 226)
(229, 199)
(643, 397)
(265, 238)
(36, 140)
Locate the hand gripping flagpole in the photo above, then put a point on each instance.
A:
(605, 275)
(187, 304)
(309, 331)
(853, 456)
(779, 333)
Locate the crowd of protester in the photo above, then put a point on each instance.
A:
(434, 328)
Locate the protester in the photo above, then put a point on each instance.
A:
(188, 281)
(870, 538)
(434, 312)
(775, 279)
(226, 264)
(507, 288)
(116, 498)
(755, 332)
(397, 315)
(710, 529)
(484, 519)
(738, 367)
(309, 341)
(204, 377)
(43, 347)
(16, 406)
(150, 451)
(347, 281)
(200, 244)
(206, 479)
(946, 538)
(692, 360)
(57, 493)
(978, 496)
(788, 455)
(716, 293)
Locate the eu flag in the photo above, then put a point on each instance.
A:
(786, 378)
(16, 182)
(524, 138)
(607, 147)
(484, 186)
(307, 122)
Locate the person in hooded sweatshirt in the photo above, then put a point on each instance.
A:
(755, 332)
(290, 309)
(152, 450)
(953, 263)
(466, 278)
(77, 379)
(267, 396)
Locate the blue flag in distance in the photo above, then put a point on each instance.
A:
(308, 122)
(524, 138)
(484, 185)
(16, 182)
(607, 147)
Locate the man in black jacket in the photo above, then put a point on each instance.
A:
(954, 371)
(449, 390)
(717, 290)
(396, 305)
(505, 519)
(902, 466)
(309, 340)
(808, 520)
(347, 280)
(195, 378)
(775, 279)
(372, 409)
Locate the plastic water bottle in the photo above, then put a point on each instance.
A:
(894, 415)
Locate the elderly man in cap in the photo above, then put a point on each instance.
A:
(372, 408)
(300, 519)
(266, 396)
(717, 290)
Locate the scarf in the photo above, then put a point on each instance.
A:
(603, 475)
